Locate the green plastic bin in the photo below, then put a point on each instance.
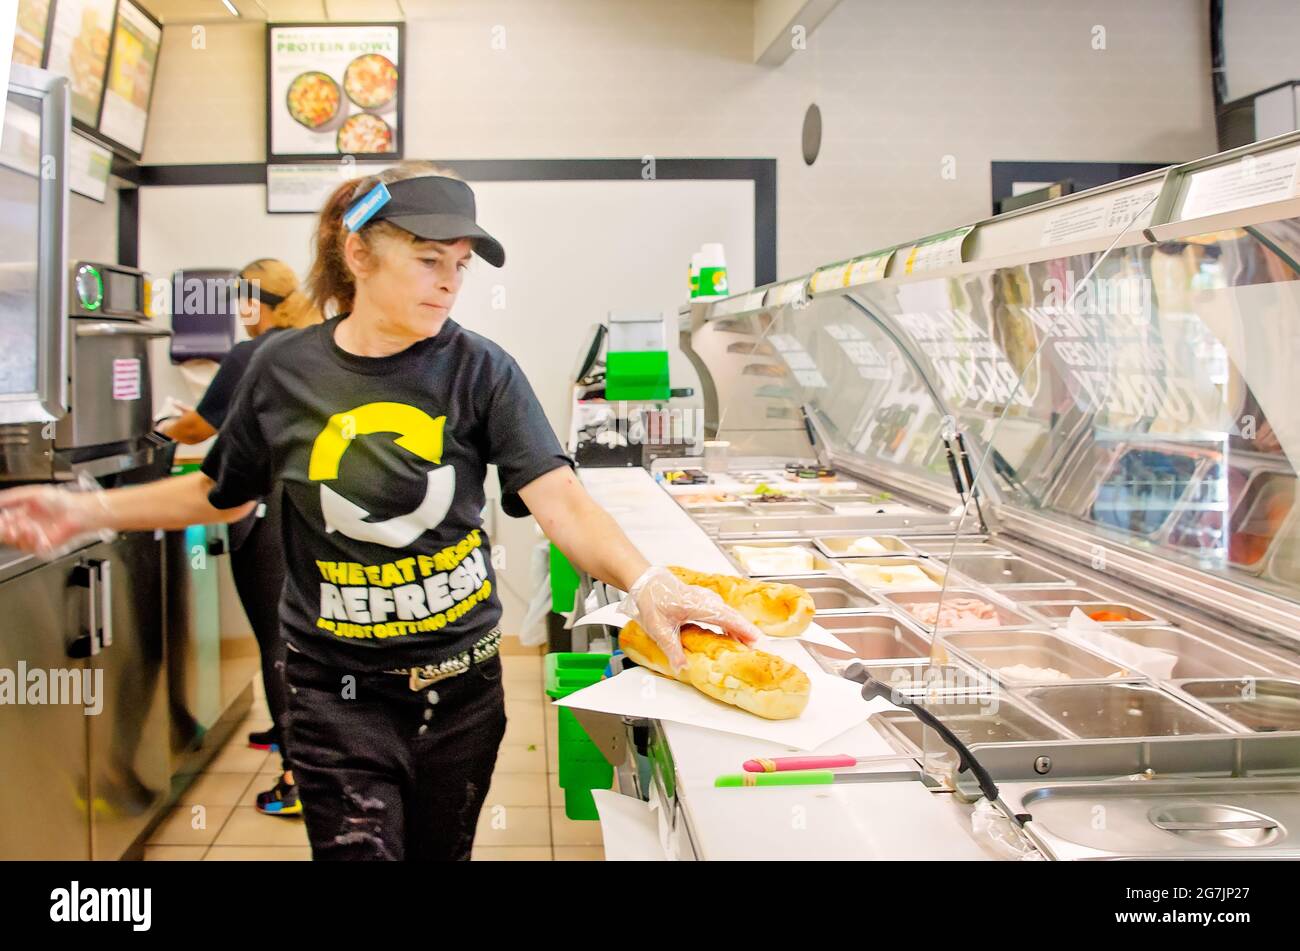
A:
(582, 765)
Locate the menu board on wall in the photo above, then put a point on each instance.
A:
(79, 50)
(89, 166)
(334, 89)
(30, 31)
(131, 68)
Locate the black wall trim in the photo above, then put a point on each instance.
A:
(128, 227)
(762, 172)
(251, 173)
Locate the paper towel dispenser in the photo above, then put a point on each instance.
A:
(204, 313)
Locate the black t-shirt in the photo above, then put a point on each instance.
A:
(216, 399)
(382, 461)
(215, 404)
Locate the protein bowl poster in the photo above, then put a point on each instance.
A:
(334, 90)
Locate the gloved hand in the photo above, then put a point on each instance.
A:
(661, 604)
(50, 521)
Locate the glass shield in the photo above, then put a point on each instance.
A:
(1038, 366)
(877, 422)
(1138, 400)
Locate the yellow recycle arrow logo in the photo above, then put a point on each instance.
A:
(418, 433)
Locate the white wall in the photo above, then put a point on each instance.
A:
(92, 228)
(1261, 44)
(901, 85)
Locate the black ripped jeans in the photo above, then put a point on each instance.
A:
(389, 773)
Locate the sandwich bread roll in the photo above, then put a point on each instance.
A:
(776, 609)
(725, 669)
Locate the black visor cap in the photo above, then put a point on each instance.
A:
(438, 208)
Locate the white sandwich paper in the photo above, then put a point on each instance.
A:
(1151, 661)
(835, 704)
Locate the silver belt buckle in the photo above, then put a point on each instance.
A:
(422, 677)
(486, 648)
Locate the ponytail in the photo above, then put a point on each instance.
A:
(330, 281)
(296, 311)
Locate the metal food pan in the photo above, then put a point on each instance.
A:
(928, 567)
(1193, 657)
(834, 498)
(922, 677)
(721, 509)
(1261, 705)
(1115, 710)
(745, 526)
(1248, 522)
(763, 509)
(997, 718)
(693, 503)
(940, 546)
(1278, 660)
(1006, 570)
(820, 564)
(1034, 596)
(828, 523)
(831, 595)
(1140, 503)
(870, 509)
(1060, 610)
(838, 546)
(869, 637)
(908, 601)
(997, 651)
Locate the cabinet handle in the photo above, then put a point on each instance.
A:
(86, 575)
(106, 603)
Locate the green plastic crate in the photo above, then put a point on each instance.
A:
(568, 673)
(580, 804)
(582, 765)
(564, 582)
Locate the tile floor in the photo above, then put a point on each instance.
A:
(523, 817)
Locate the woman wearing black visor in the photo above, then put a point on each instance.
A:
(379, 425)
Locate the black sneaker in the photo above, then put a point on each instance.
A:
(280, 800)
(268, 740)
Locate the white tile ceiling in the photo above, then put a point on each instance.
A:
(213, 11)
(284, 11)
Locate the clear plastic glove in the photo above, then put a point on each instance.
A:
(50, 521)
(661, 604)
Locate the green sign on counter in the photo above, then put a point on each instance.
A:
(636, 375)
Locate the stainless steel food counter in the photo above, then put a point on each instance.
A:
(1070, 436)
(676, 764)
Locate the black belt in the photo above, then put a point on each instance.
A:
(483, 650)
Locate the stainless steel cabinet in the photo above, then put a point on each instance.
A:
(130, 769)
(193, 637)
(43, 748)
(78, 786)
